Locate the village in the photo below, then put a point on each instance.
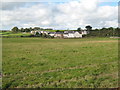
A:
(63, 34)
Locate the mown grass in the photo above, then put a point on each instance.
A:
(60, 63)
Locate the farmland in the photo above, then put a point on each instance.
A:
(11, 34)
(60, 63)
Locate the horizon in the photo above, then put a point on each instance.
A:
(58, 14)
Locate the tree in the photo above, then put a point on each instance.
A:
(88, 27)
(110, 28)
(58, 31)
(27, 30)
(49, 29)
(104, 28)
(37, 34)
(117, 31)
(79, 29)
(22, 30)
(36, 28)
(15, 29)
(30, 29)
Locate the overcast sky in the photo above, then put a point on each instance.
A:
(59, 14)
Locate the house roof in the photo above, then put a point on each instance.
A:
(78, 32)
(59, 33)
(65, 32)
(51, 32)
(69, 32)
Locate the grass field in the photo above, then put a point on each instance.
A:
(11, 34)
(61, 63)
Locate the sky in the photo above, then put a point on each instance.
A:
(58, 14)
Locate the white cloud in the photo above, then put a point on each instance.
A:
(71, 15)
(11, 5)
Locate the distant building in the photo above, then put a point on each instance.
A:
(32, 32)
(52, 34)
(65, 34)
(84, 32)
(40, 32)
(72, 34)
(45, 32)
(77, 35)
(58, 35)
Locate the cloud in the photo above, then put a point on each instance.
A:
(11, 5)
(75, 14)
(70, 15)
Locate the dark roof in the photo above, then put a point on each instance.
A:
(69, 32)
(59, 33)
(51, 32)
(78, 32)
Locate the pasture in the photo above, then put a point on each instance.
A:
(60, 63)
(11, 34)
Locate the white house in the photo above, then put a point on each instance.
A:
(84, 32)
(52, 34)
(77, 35)
(32, 32)
(37, 31)
(59, 34)
(72, 34)
(45, 32)
(65, 34)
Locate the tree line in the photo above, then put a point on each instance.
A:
(16, 29)
(103, 32)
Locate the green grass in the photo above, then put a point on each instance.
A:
(11, 34)
(61, 63)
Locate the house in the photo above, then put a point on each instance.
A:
(52, 34)
(68, 34)
(59, 34)
(84, 32)
(32, 32)
(77, 35)
(40, 32)
(45, 32)
(65, 34)
(72, 34)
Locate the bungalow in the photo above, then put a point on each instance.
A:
(34, 32)
(84, 32)
(52, 34)
(72, 34)
(43, 32)
(59, 34)
(66, 34)
(77, 35)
